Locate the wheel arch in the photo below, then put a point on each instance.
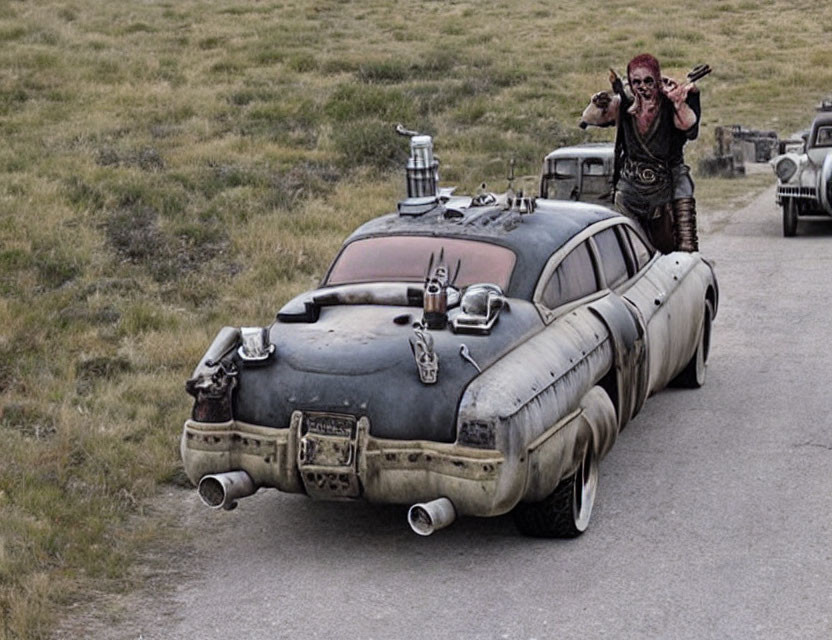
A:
(558, 452)
(627, 380)
(712, 296)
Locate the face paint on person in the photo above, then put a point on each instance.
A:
(644, 84)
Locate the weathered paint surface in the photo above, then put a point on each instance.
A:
(529, 391)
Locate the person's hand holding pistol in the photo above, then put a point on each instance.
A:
(678, 93)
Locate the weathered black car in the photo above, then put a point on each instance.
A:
(467, 356)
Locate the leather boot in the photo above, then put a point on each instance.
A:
(684, 224)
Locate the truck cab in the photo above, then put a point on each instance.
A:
(582, 172)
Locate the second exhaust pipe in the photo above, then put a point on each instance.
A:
(222, 490)
(425, 518)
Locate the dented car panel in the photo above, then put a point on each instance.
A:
(527, 394)
(406, 380)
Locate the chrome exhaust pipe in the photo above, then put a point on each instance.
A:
(425, 518)
(222, 490)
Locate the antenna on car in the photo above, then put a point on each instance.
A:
(430, 266)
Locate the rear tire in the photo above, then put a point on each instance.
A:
(789, 217)
(693, 375)
(565, 512)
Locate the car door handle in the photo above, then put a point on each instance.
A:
(659, 300)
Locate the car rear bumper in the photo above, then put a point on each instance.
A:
(360, 466)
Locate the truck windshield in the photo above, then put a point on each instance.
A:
(406, 259)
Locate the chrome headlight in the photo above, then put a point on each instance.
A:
(785, 169)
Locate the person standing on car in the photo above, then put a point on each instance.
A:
(652, 182)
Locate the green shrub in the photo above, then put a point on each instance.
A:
(211, 42)
(439, 61)
(384, 71)
(28, 419)
(57, 262)
(143, 317)
(138, 27)
(432, 98)
(280, 116)
(147, 158)
(302, 63)
(227, 67)
(269, 55)
(133, 232)
(301, 182)
(88, 371)
(14, 260)
(12, 32)
(471, 111)
(355, 102)
(68, 14)
(372, 143)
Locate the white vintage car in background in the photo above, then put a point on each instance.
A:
(804, 177)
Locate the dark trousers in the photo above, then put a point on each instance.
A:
(660, 229)
(670, 227)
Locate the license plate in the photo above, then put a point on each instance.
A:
(329, 424)
(327, 452)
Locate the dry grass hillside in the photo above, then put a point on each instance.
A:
(170, 167)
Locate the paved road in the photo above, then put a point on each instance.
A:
(714, 517)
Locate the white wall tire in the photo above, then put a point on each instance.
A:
(564, 513)
(693, 375)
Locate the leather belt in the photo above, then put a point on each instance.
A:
(645, 173)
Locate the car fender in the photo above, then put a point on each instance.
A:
(225, 341)
(557, 453)
(628, 387)
(532, 389)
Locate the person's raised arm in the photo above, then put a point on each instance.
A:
(684, 117)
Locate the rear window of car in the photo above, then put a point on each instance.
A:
(573, 279)
(642, 252)
(613, 263)
(406, 259)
